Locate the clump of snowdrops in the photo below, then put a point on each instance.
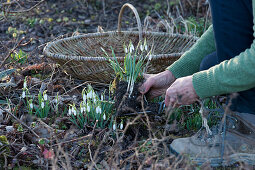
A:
(134, 63)
(38, 105)
(94, 110)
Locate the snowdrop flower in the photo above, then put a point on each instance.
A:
(126, 50)
(84, 97)
(94, 100)
(98, 110)
(25, 85)
(82, 110)
(55, 101)
(74, 112)
(23, 94)
(104, 117)
(42, 104)
(94, 95)
(146, 47)
(131, 48)
(69, 111)
(45, 96)
(31, 105)
(121, 125)
(114, 126)
(150, 56)
(102, 97)
(141, 47)
(88, 108)
(72, 109)
(89, 95)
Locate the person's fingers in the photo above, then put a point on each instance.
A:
(172, 102)
(156, 92)
(167, 101)
(146, 86)
(167, 98)
(146, 76)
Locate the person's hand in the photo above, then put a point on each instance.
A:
(181, 92)
(156, 84)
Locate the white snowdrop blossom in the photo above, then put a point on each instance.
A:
(89, 95)
(82, 110)
(146, 47)
(94, 95)
(74, 112)
(150, 56)
(42, 104)
(84, 97)
(23, 94)
(98, 110)
(94, 100)
(25, 85)
(45, 96)
(141, 47)
(88, 108)
(55, 101)
(102, 97)
(131, 48)
(72, 109)
(114, 126)
(69, 111)
(31, 105)
(104, 117)
(121, 125)
(126, 50)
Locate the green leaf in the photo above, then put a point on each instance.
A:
(3, 102)
(41, 141)
(20, 128)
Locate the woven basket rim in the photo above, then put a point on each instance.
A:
(46, 51)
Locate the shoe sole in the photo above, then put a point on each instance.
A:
(216, 162)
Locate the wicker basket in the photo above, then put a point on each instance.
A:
(83, 58)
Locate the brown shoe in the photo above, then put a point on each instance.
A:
(237, 145)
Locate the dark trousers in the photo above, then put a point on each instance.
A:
(233, 29)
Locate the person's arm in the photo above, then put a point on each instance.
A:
(234, 75)
(189, 63)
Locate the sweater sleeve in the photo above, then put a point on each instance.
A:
(234, 75)
(189, 63)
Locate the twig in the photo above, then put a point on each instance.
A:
(80, 138)
(20, 122)
(27, 10)
(92, 160)
(12, 50)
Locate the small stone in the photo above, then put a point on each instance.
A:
(9, 129)
(14, 160)
(23, 149)
(81, 17)
(87, 21)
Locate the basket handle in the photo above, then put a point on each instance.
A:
(136, 15)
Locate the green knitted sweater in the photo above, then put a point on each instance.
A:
(234, 75)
